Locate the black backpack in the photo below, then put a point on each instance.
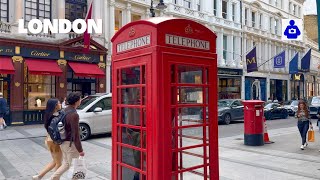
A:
(53, 130)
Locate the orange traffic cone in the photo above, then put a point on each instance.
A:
(266, 136)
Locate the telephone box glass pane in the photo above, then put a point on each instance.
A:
(143, 74)
(130, 75)
(128, 174)
(190, 136)
(131, 116)
(190, 116)
(131, 157)
(190, 95)
(131, 136)
(130, 96)
(195, 174)
(190, 74)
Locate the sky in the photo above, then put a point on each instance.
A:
(310, 7)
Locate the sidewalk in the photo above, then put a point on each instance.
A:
(283, 160)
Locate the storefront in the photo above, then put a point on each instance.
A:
(255, 88)
(311, 85)
(229, 83)
(34, 73)
(297, 86)
(278, 90)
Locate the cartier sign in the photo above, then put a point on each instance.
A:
(90, 58)
(187, 42)
(39, 53)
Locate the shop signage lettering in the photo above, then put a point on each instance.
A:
(91, 58)
(78, 26)
(134, 43)
(82, 57)
(7, 50)
(187, 42)
(40, 53)
(36, 53)
(225, 71)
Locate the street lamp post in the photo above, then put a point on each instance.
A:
(160, 6)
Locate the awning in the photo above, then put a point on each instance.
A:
(87, 70)
(6, 66)
(43, 67)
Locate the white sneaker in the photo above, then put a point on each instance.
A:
(302, 147)
(36, 177)
(305, 144)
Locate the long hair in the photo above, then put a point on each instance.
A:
(51, 106)
(305, 108)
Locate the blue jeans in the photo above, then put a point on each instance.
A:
(303, 127)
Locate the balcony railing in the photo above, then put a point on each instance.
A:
(5, 27)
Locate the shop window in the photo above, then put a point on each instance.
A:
(229, 88)
(135, 17)
(4, 7)
(37, 9)
(224, 9)
(83, 85)
(117, 20)
(76, 9)
(38, 89)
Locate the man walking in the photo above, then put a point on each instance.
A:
(3, 110)
(71, 147)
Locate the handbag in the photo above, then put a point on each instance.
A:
(78, 169)
(311, 135)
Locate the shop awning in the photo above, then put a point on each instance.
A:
(6, 66)
(43, 67)
(87, 70)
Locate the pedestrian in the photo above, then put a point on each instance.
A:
(64, 104)
(3, 111)
(52, 110)
(303, 122)
(71, 147)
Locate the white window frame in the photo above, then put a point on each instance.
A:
(225, 47)
(234, 8)
(253, 18)
(224, 14)
(260, 21)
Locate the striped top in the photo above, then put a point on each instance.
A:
(302, 116)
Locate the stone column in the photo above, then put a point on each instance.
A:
(128, 15)
(112, 20)
(231, 50)
(220, 48)
(61, 9)
(106, 21)
(238, 13)
(259, 55)
(18, 10)
(249, 18)
(219, 9)
(229, 10)
(108, 74)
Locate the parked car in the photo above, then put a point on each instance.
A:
(274, 111)
(292, 107)
(314, 105)
(229, 110)
(95, 115)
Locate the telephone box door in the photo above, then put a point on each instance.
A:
(190, 84)
(130, 126)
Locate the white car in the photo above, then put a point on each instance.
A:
(95, 115)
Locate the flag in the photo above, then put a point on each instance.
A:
(86, 35)
(305, 62)
(293, 66)
(279, 60)
(251, 60)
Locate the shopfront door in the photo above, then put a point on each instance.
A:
(5, 89)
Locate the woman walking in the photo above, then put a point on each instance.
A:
(53, 106)
(303, 122)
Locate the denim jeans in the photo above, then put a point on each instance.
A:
(303, 127)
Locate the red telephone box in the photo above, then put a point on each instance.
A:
(164, 107)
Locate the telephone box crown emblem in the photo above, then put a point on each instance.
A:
(188, 29)
(132, 32)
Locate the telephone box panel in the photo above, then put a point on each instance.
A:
(164, 101)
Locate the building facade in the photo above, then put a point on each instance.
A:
(221, 16)
(262, 29)
(36, 67)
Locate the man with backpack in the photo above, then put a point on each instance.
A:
(71, 146)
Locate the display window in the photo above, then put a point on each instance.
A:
(229, 88)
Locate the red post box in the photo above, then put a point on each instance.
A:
(253, 123)
(164, 106)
